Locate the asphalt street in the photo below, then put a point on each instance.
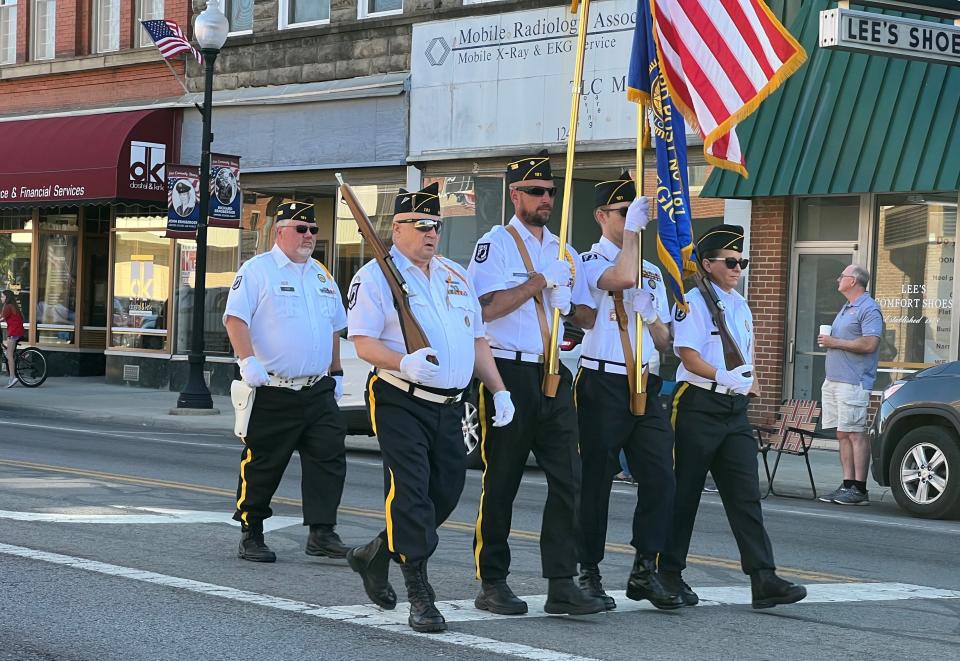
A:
(116, 543)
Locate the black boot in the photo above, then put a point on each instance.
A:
(565, 598)
(591, 584)
(674, 582)
(324, 542)
(253, 548)
(497, 597)
(372, 562)
(768, 589)
(645, 583)
(424, 616)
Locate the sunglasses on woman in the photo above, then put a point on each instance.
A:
(424, 224)
(538, 191)
(731, 262)
(303, 229)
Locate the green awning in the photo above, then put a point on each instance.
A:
(850, 123)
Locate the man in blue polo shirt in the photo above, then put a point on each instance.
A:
(852, 352)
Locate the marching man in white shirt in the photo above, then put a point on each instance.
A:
(520, 282)
(415, 399)
(607, 424)
(283, 317)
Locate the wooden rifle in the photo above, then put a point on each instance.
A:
(413, 336)
(732, 356)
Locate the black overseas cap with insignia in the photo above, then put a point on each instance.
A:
(530, 168)
(296, 211)
(617, 190)
(418, 204)
(721, 237)
(182, 186)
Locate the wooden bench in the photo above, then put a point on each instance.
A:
(793, 433)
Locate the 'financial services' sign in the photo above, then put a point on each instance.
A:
(496, 82)
(881, 34)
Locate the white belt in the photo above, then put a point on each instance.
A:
(606, 366)
(293, 383)
(714, 387)
(416, 391)
(517, 355)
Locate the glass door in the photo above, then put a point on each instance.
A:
(817, 302)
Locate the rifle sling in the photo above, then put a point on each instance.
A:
(538, 297)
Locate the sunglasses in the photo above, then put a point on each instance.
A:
(303, 229)
(537, 191)
(730, 262)
(620, 210)
(424, 224)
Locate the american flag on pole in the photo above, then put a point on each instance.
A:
(720, 59)
(170, 39)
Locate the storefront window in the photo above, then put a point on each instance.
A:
(15, 248)
(913, 280)
(378, 202)
(57, 288)
(828, 219)
(470, 206)
(141, 277)
(222, 254)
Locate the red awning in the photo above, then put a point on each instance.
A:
(64, 160)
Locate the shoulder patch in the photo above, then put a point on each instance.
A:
(587, 256)
(352, 294)
(236, 283)
(483, 251)
(679, 315)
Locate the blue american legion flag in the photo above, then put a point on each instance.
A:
(170, 39)
(645, 85)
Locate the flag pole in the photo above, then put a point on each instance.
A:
(174, 72)
(638, 398)
(551, 376)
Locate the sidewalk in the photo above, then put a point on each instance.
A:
(91, 399)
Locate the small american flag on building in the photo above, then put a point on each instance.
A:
(170, 39)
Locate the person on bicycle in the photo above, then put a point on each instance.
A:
(10, 313)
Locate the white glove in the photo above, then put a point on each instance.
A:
(338, 389)
(638, 215)
(644, 302)
(560, 298)
(735, 379)
(503, 407)
(253, 372)
(415, 366)
(557, 274)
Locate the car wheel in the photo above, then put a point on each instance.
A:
(925, 473)
(471, 434)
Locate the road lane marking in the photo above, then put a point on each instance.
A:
(469, 528)
(371, 616)
(156, 515)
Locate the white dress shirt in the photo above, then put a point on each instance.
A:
(445, 305)
(697, 331)
(602, 342)
(497, 265)
(292, 311)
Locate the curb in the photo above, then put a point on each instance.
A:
(174, 422)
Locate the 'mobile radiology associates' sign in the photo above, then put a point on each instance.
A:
(872, 33)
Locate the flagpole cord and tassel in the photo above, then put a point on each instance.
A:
(551, 375)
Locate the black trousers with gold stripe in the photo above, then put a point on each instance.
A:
(606, 427)
(284, 420)
(548, 428)
(424, 466)
(713, 434)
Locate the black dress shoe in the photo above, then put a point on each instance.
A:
(497, 597)
(591, 583)
(372, 562)
(424, 616)
(674, 582)
(565, 598)
(324, 542)
(770, 590)
(253, 548)
(645, 583)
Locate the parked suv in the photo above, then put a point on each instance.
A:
(915, 442)
(355, 373)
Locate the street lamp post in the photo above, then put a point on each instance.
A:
(210, 29)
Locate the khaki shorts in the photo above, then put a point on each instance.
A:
(844, 406)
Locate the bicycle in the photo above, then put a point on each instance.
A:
(30, 365)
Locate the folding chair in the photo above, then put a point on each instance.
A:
(793, 434)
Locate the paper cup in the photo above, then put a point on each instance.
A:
(824, 330)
